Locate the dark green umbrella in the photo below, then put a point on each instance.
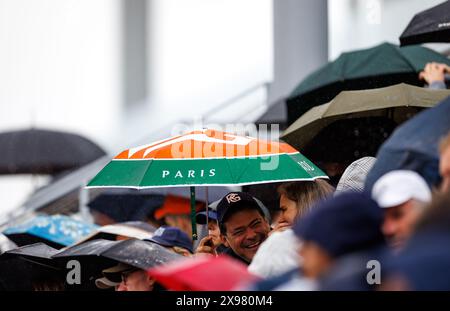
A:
(383, 65)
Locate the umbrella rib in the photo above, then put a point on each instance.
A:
(143, 175)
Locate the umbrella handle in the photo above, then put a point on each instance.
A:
(193, 214)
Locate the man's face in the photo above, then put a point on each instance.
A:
(245, 231)
(137, 280)
(399, 222)
(444, 169)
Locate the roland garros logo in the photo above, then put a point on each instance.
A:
(233, 198)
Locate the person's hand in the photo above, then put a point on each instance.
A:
(281, 226)
(434, 72)
(206, 246)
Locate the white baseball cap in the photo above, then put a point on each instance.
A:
(400, 186)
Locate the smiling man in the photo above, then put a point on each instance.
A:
(243, 225)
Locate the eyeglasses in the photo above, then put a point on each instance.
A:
(124, 275)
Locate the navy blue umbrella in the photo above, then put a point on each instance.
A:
(123, 207)
(414, 146)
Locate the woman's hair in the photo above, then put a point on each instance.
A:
(306, 193)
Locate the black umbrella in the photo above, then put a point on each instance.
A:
(31, 268)
(136, 253)
(92, 248)
(140, 254)
(44, 152)
(97, 255)
(432, 25)
(91, 262)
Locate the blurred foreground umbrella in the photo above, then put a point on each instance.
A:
(44, 152)
(205, 158)
(414, 146)
(432, 25)
(383, 65)
(378, 111)
(31, 267)
(205, 273)
(56, 231)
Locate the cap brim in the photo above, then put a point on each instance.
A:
(105, 283)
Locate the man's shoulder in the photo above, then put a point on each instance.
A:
(232, 254)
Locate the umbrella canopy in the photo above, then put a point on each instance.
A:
(36, 151)
(397, 103)
(55, 230)
(205, 158)
(91, 262)
(130, 205)
(136, 253)
(140, 254)
(130, 229)
(89, 248)
(432, 25)
(97, 255)
(204, 273)
(414, 146)
(6, 244)
(30, 267)
(37, 250)
(383, 65)
(202, 158)
(123, 207)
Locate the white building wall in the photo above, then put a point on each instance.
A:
(62, 67)
(202, 53)
(358, 24)
(59, 69)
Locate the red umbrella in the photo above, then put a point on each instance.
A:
(203, 273)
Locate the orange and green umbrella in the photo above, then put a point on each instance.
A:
(206, 158)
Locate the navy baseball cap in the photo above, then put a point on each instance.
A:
(170, 237)
(235, 200)
(343, 224)
(200, 218)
